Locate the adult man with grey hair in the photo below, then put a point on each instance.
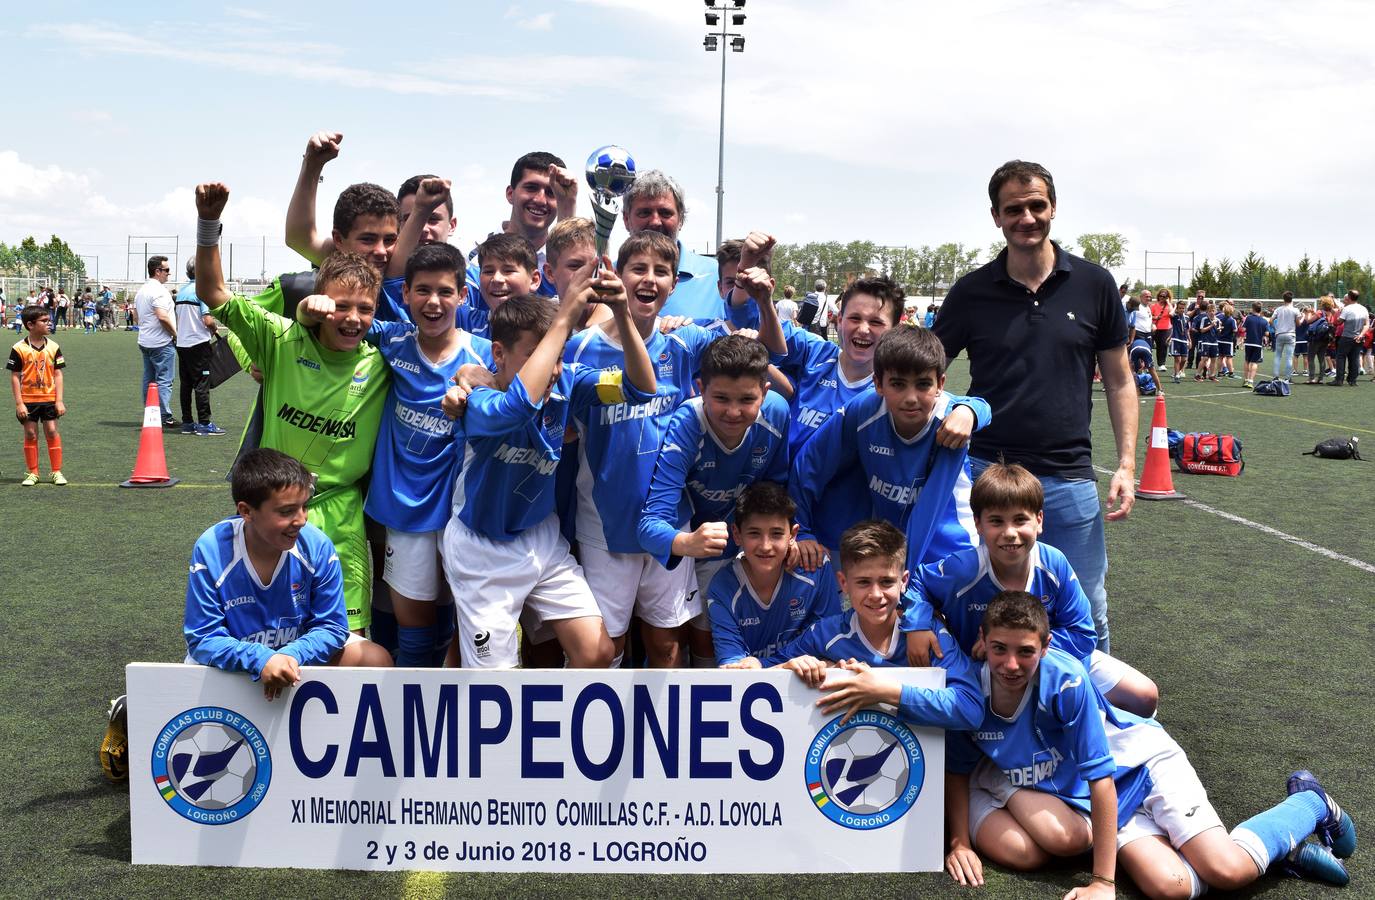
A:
(1355, 318)
(655, 203)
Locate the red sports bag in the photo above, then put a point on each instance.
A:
(1210, 454)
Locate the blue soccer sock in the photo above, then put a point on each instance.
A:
(1270, 835)
(415, 647)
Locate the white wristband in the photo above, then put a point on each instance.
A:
(208, 232)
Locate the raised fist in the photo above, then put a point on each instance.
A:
(323, 146)
(210, 199)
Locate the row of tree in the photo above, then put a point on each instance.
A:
(1254, 278)
(920, 271)
(54, 260)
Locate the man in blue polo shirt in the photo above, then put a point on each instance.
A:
(1033, 322)
(655, 203)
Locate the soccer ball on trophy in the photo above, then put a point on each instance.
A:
(610, 173)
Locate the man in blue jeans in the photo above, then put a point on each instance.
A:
(157, 335)
(1033, 323)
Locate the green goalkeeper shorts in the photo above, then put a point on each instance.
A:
(338, 512)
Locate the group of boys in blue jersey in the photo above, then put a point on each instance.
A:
(559, 461)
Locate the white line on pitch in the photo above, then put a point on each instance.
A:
(1273, 532)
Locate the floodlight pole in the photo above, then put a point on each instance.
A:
(717, 41)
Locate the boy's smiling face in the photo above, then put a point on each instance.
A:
(533, 202)
(864, 321)
(874, 586)
(279, 519)
(371, 237)
(432, 298)
(502, 279)
(648, 280)
(1009, 534)
(1014, 655)
(353, 312)
(764, 540)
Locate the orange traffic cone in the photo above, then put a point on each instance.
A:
(1156, 482)
(150, 469)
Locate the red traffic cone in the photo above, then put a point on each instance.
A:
(1156, 482)
(150, 469)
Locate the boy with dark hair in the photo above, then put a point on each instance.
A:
(617, 448)
(506, 266)
(717, 444)
(365, 217)
(828, 375)
(873, 573)
(323, 388)
(541, 192)
(1255, 327)
(418, 448)
(905, 443)
(36, 365)
(439, 221)
(1008, 506)
(504, 556)
(1204, 327)
(757, 603)
(1054, 770)
(265, 595)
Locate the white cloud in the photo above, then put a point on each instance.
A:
(541, 22)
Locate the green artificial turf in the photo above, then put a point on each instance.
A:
(1262, 649)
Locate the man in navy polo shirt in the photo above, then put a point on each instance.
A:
(1033, 323)
(655, 203)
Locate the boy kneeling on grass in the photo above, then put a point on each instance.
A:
(265, 594)
(1053, 769)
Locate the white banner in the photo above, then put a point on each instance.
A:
(544, 771)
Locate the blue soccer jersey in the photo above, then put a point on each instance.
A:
(896, 473)
(1256, 327)
(820, 387)
(473, 320)
(418, 447)
(506, 482)
(958, 706)
(698, 479)
(745, 624)
(961, 585)
(391, 301)
(1204, 327)
(1055, 741)
(1226, 330)
(236, 623)
(1140, 355)
(1179, 327)
(618, 444)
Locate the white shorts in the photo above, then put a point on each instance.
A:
(412, 566)
(705, 570)
(1105, 671)
(533, 580)
(1177, 806)
(635, 583)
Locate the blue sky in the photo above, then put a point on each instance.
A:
(1207, 126)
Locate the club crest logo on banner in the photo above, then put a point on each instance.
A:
(211, 765)
(866, 773)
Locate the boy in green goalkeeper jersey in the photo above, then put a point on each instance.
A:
(323, 389)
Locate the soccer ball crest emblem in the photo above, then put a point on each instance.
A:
(866, 773)
(211, 765)
(610, 170)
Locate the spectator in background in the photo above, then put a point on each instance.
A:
(1161, 316)
(787, 307)
(1353, 320)
(63, 305)
(814, 312)
(157, 333)
(1285, 321)
(930, 315)
(105, 309)
(195, 328)
(1321, 320)
(1144, 321)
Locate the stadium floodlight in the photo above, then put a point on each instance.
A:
(716, 17)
